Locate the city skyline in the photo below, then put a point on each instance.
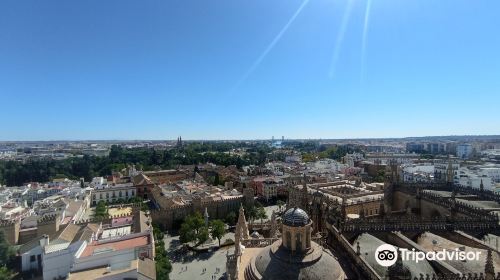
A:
(272, 138)
(232, 70)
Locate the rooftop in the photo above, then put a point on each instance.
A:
(295, 217)
(100, 247)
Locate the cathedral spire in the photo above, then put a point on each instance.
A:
(489, 269)
(449, 177)
(398, 271)
(273, 233)
(305, 192)
(241, 232)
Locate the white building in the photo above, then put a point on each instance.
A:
(81, 259)
(31, 253)
(326, 166)
(441, 168)
(111, 193)
(58, 259)
(269, 190)
(468, 178)
(492, 172)
(350, 159)
(413, 173)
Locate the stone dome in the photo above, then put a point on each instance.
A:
(295, 217)
(277, 263)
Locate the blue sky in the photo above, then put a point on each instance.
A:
(230, 69)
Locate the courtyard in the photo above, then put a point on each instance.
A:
(187, 264)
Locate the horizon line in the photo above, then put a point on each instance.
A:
(255, 139)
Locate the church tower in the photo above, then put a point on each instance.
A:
(241, 231)
(489, 268)
(449, 173)
(274, 226)
(304, 197)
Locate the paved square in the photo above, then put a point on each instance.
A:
(196, 262)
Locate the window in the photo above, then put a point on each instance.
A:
(120, 194)
(32, 258)
(298, 242)
(100, 196)
(107, 195)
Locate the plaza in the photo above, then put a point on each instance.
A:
(213, 260)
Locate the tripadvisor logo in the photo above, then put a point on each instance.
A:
(387, 255)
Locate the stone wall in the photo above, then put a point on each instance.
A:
(11, 231)
(168, 218)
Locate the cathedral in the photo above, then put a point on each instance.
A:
(293, 256)
(332, 231)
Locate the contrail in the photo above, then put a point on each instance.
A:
(340, 38)
(363, 43)
(270, 46)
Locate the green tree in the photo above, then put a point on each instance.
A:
(101, 210)
(162, 262)
(6, 251)
(202, 235)
(231, 218)
(187, 233)
(216, 180)
(261, 214)
(252, 214)
(218, 229)
(6, 258)
(380, 178)
(280, 204)
(15, 173)
(193, 229)
(5, 273)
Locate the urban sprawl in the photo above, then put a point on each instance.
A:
(254, 209)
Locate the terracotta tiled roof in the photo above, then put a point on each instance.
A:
(69, 233)
(116, 245)
(141, 179)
